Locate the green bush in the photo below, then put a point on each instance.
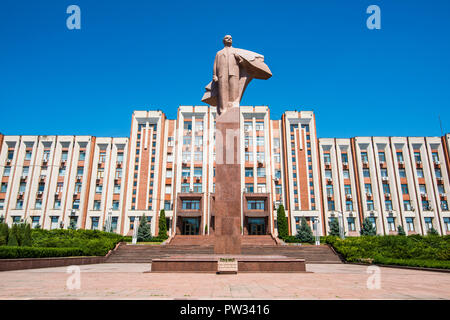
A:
(412, 250)
(367, 228)
(4, 231)
(7, 252)
(13, 236)
(334, 227)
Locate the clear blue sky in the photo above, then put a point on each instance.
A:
(142, 55)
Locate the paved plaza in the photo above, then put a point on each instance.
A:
(130, 281)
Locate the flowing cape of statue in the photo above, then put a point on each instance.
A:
(252, 66)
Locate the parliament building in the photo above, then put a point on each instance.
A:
(56, 181)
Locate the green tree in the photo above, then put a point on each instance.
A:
(26, 242)
(433, 232)
(401, 231)
(4, 231)
(73, 224)
(2, 219)
(162, 225)
(367, 228)
(12, 237)
(334, 228)
(304, 233)
(144, 233)
(282, 224)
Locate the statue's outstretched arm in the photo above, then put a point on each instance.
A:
(214, 70)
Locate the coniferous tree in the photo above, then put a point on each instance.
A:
(144, 233)
(162, 226)
(2, 219)
(4, 231)
(282, 224)
(26, 242)
(304, 233)
(433, 232)
(367, 228)
(334, 228)
(12, 238)
(73, 224)
(401, 231)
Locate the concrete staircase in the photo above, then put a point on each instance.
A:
(127, 253)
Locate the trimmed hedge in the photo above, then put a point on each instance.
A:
(415, 250)
(8, 252)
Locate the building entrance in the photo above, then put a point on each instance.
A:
(191, 226)
(256, 226)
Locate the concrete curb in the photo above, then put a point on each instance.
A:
(399, 267)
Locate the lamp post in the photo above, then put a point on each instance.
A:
(135, 230)
(108, 223)
(316, 229)
(341, 225)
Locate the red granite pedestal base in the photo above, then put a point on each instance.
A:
(246, 263)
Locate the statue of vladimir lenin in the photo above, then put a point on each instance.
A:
(233, 69)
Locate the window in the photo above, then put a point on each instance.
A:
(198, 141)
(248, 141)
(391, 224)
(191, 204)
(384, 173)
(428, 223)
(46, 155)
(116, 188)
(409, 224)
(28, 154)
(368, 188)
(168, 188)
(185, 187)
(22, 187)
(198, 172)
(400, 156)
(382, 156)
(259, 126)
(329, 191)
(277, 157)
(38, 204)
(2, 204)
(328, 174)
(7, 171)
(276, 143)
(422, 189)
(82, 155)
(255, 205)
(278, 174)
(118, 173)
(351, 224)
(4, 187)
(94, 223)
(115, 205)
(346, 174)
(260, 141)
(388, 204)
(447, 224)
(261, 172)
(370, 206)
(167, 205)
(120, 157)
(278, 189)
(76, 204)
(249, 188)
(326, 158)
(187, 140)
(441, 189)
(197, 187)
(185, 172)
(420, 173)
(261, 188)
(98, 188)
(348, 189)
(407, 205)
(64, 156)
(62, 171)
(249, 172)
(373, 222)
(331, 205)
(187, 125)
(426, 205)
(57, 204)
(366, 173)
(444, 205)
(35, 221)
(438, 173)
(249, 156)
(417, 157)
(260, 156)
(100, 173)
(349, 205)
(435, 156)
(386, 189)
(19, 204)
(344, 157)
(364, 157)
(169, 173)
(402, 173)
(97, 205)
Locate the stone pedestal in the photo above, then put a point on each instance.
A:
(228, 184)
